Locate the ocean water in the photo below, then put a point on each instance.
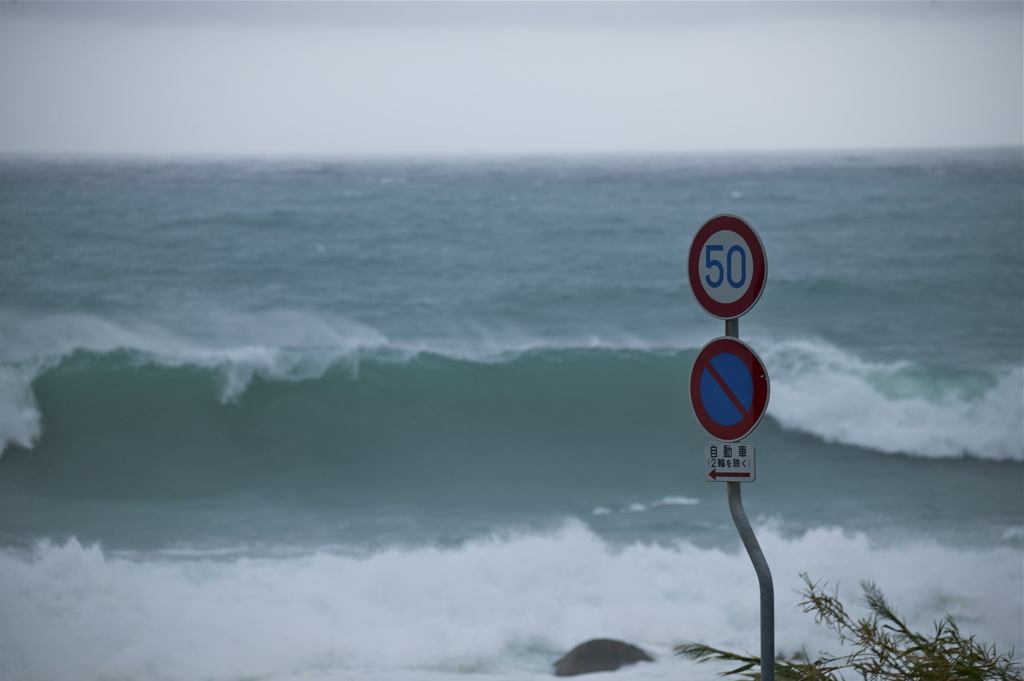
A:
(428, 418)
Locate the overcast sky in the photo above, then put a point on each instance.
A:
(358, 78)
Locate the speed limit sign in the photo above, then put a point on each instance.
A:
(727, 267)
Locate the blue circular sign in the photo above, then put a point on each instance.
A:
(728, 389)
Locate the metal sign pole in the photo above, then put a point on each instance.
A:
(727, 269)
(764, 575)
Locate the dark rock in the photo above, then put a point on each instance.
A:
(599, 655)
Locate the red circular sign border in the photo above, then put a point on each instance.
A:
(759, 273)
(759, 404)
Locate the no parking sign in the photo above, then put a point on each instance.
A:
(728, 389)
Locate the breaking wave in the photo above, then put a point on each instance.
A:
(816, 388)
(899, 407)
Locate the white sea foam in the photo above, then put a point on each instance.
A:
(676, 501)
(503, 608)
(637, 507)
(897, 407)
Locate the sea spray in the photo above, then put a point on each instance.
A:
(20, 420)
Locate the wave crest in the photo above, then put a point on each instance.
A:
(898, 407)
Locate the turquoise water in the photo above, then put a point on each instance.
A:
(455, 392)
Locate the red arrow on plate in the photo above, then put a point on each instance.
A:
(715, 475)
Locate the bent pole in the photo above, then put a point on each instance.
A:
(764, 575)
(764, 580)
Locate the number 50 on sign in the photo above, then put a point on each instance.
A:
(727, 267)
